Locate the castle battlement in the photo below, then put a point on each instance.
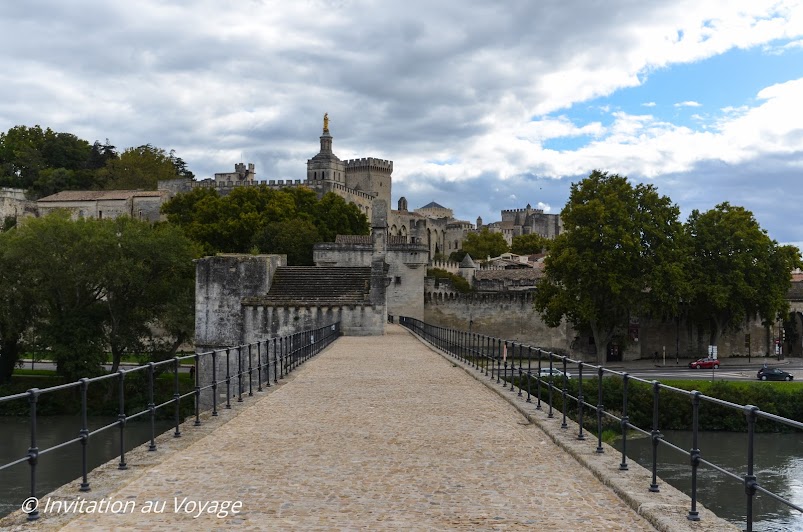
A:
(369, 162)
(514, 211)
(280, 183)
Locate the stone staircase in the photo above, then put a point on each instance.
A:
(300, 285)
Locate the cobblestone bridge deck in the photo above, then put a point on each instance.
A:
(374, 433)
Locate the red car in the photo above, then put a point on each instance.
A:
(704, 363)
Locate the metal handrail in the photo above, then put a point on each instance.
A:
(483, 352)
(305, 345)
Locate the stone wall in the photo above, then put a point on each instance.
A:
(266, 321)
(507, 316)
(511, 316)
(221, 282)
(13, 204)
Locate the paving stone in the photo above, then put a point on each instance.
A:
(376, 433)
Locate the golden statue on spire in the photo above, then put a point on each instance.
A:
(326, 121)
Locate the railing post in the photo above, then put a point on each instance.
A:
(750, 483)
(151, 407)
(563, 424)
(197, 392)
(239, 374)
(282, 369)
(121, 420)
(275, 363)
(498, 360)
(250, 373)
(551, 381)
(177, 398)
(214, 383)
(580, 401)
(529, 370)
(600, 410)
(521, 347)
(228, 378)
(267, 363)
(84, 432)
(655, 434)
(259, 367)
(486, 355)
(625, 385)
(504, 360)
(33, 450)
(694, 515)
(538, 383)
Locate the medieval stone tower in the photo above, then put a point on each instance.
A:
(326, 166)
(366, 177)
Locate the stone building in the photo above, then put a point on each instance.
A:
(517, 222)
(138, 204)
(358, 181)
(14, 205)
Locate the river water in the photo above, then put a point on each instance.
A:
(778, 468)
(61, 466)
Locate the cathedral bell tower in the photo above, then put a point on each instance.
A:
(326, 166)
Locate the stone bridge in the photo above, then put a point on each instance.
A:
(376, 433)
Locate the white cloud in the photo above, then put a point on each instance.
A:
(453, 94)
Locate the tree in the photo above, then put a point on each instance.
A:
(17, 306)
(737, 271)
(294, 238)
(138, 168)
(258, 216)
(485, 244)
(619, 240)
(333, 216)
(98, 285)
(457, 282)
(529, 244)
(26, 152)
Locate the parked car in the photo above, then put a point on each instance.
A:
(558, 374)
(774, 374)
(707, 363)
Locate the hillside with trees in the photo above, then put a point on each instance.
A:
(44, 162)
(258, 219)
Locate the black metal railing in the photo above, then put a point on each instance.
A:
(275, 357)
(531, 369)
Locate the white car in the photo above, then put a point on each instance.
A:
(555, 372)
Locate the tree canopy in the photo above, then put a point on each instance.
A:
(44, 162)
(619, 240)
(736, 271)
(529, 244)
(76, 289)
(485, 244)
(286, 221)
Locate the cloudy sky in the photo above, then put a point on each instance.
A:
(482, 104)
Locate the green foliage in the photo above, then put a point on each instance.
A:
(485, 244)
(618, 256)
(529, 244)
(783, 399)
(78, 288)
(457, 256)
(293, 237)
(138, 168)
(736, 270)
(287, 221)
(459, 284)
(45, 162)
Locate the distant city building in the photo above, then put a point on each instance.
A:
(109, 204)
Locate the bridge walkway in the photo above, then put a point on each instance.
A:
(374, 433)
